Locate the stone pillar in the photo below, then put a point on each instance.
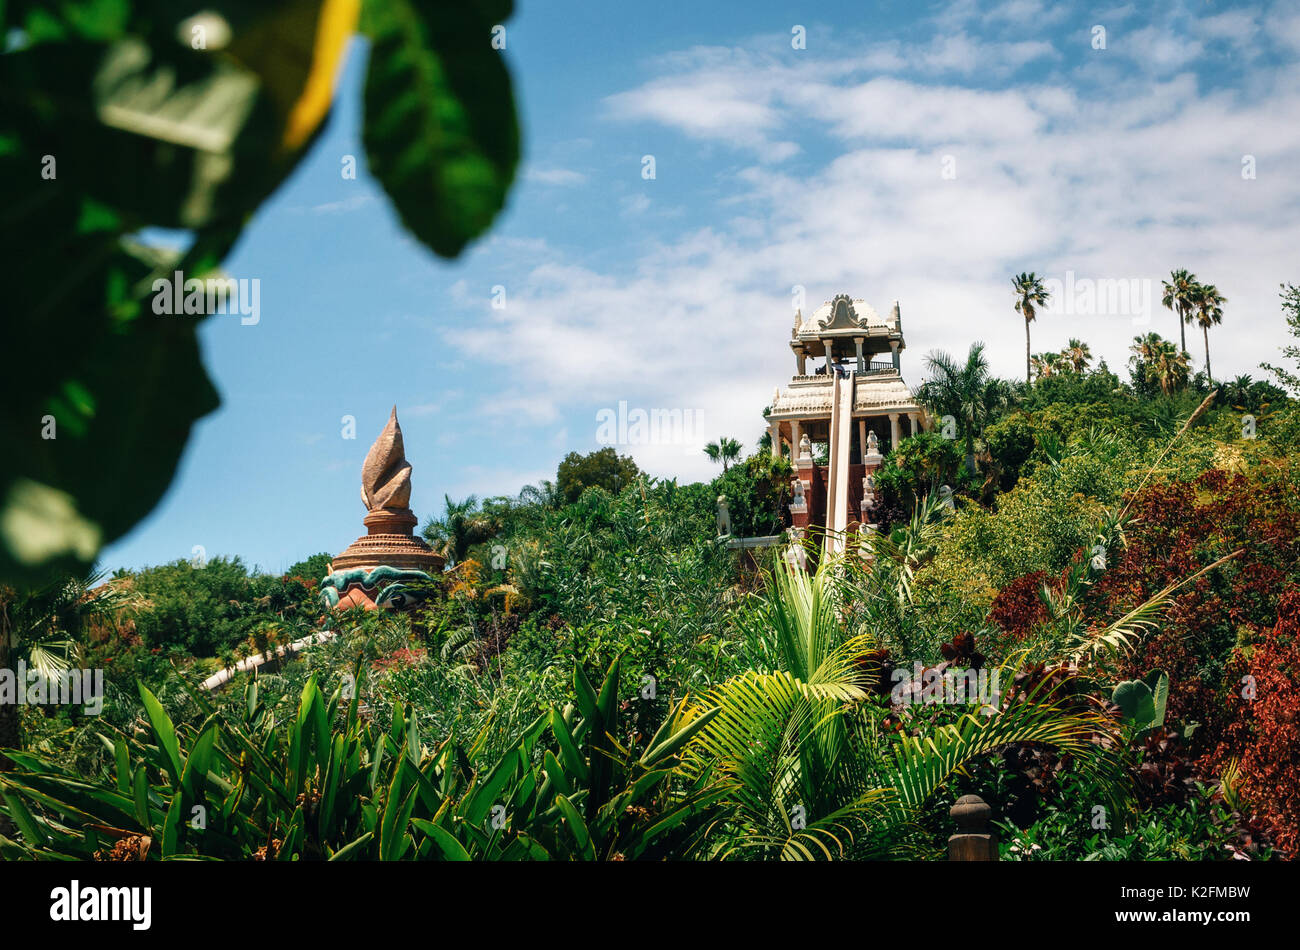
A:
(894, 434)
(830, 358)
(801, 361)
(857, 343)
(893, 346)
(914, 422)
(974, 840)
(794, 440)
(862, 439)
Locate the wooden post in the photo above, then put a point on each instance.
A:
(974, 840)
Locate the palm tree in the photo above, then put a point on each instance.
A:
(1207, 307)
(1178, 297)
(41, 627)
(959, 390)
(1146, 347)
(1160, 362)
(1172, 369)
(725, 450)
(1077, 354)
(1046, 364)
(796, 776)
(1237, 392)
(461, 527)
(1030, 294)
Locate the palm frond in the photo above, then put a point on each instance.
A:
(1119, 634)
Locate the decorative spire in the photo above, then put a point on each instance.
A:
(389, 541)
(386, 474)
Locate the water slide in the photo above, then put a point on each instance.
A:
(837, 488)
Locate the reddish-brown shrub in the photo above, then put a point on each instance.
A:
(1270, 765)
(1018, 608)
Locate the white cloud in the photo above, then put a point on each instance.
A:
(354, 203)
(1157, 49)
(1235, 27)
(554, 176)
(1107, 180)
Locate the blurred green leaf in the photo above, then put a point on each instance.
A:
(440, 130)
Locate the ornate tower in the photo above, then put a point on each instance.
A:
(371, 571)
(854, 407)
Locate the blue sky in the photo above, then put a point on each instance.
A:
(911, 153)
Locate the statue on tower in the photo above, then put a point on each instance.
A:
(798, 501)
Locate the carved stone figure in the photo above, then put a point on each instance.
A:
(724, 517)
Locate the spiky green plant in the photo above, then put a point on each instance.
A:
(802, 771)
(322, 783)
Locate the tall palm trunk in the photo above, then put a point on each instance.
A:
(1206, 332)
(1026, 352)
(1182, 332)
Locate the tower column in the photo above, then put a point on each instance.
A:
(801, 361)
(914, 422)
(893, 424)
(857, 343)
(862, 438)
(794, 439)
(893, 346)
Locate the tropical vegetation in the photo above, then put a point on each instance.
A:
(1082, 606)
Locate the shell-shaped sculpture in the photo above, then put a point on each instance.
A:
(388, 551)
(386, 474)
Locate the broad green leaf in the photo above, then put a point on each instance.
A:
(577, 828)
(171, 825)
(450, 848)
(164, 731)
(440, 129)
(352, 849)
(573, 760)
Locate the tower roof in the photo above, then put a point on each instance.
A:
(845, 317)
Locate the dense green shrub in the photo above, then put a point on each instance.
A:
(603, 468)
(919, 465)
(757, 491)
(1038, 526)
